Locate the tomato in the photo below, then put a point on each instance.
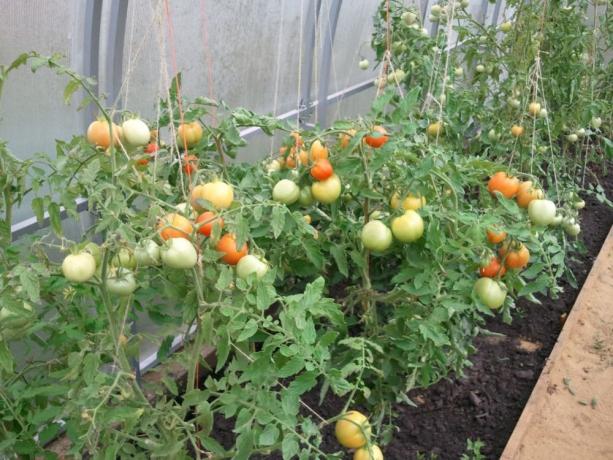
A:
(121, 282)
(493, 269)
(526, 193)
(557, 220)
(321, 170)
(318, 151)
(376, 236)
(409, 227)
(227, 245)
(496, 237)
(174, 226)
(303, 156)
(79, 267)
(491, 293)
(125, 258)
(178, 253)
(571, 227)
(98, 134)
(506, 26)
(534, 109)
(297, 138)
(189, 134)
(135, 132)
(579, 204)
(377, 138)
(572, 138)
(409, 17)
(250, 264)
(327, 191)
(306, 197)
(95, 251)
(542, 212)
(286, 191)
(307, 218)
(492, 135)
(15, 320)
(458, 72)
(219, 194)
(368, 453)
(517, 257)
(352, 430)
(412, 201)
(517, 131)
(504, 184)
(363, 64)
(480, 68)
(434, 129)
(147, 253)
(190, 164)
(596, 122)
(273, 166)
(345, 138)
(207, 220)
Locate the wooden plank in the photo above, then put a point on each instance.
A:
(569, 415)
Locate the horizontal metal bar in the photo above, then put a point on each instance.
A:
(31, 224)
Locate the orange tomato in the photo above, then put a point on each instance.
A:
(227, 245)
(297, 138)
(346, 138)
(304, 157)
(322, 169)
(318, 151)
(493, 268)
(290, 161)
(526, 193)
(208, 219)
(99, 134)
(515, 257)
(174, 226)
(190, 164)
(189, 134)
(504, 184)
(496, 237)
(378, 137)
(517, 130)
(151, 148)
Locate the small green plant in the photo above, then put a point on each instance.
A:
(473, 450)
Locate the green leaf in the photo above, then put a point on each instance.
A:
(269, 436)
(340, 257)
(55, 218)
(292, 367)
(38, 207)
(289, 447)
(435, 333)
(6, 358)
(278, 220)
(69, 90)
(251, 327)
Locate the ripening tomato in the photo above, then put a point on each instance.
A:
(534, 109)
(136, 132)
(286, 191)
(190, 164)
(99, 134)
(207, 220)
(493, 269)
(491, 293)
(318, 151)
(189, 134)
(251, 264)
(368, 453)
(352, 430)
(495, 237)
(345, 138)
(79, 267)
(303, 156)
(178, 253)
(517, 257)
(297, 138)
(377, 138)
(227, 245)
(500, 182)
(409, 227)
(376, 236)
(526, 193)
(322, 169)
(517, 130)
(219, 194)
(327, 191)
(174, 226)
(411, 201)
(435, 129)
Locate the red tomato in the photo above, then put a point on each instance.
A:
(322, 169)
(208, 219)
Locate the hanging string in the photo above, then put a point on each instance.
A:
(278, 70)
(207, 55)
(300, 46)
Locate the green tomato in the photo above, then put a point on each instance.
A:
(458, 72)
(363, 64)
(491, 293)
(579, 204)
(542, 212)
(125, 258)
(376, 236)
(95, 251)
(286, 191)
(596, 122)
(557, 220)
(250, 264)
(306, 197)
(409, 227)
(572, 138)
(480, 68)
(506, 26)
(178, 253)
(136, 132)
(572, 229)
(121, 282)
(327, 191)
(79, 267)
(492, 135)
(409, 17)
(147, 253)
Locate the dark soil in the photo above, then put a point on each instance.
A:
(488, 400)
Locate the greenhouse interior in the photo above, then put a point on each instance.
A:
(306, 229)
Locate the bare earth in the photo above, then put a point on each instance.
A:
(569, 415)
